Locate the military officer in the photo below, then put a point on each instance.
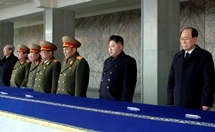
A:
(74, 75)
(35, 58)
(19, 77)
(48, 71)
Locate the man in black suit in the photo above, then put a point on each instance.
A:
(191, 79)
(119, 74)
(7, 65)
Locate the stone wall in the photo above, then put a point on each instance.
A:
(200, 14)
(93, 33)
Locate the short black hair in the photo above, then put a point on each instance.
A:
(117, 39)
(194, 32)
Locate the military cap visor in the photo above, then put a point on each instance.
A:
(45, 45)
(70, 42)
(34, 48)
(22, 48)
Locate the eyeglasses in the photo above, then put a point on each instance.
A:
(184, 39)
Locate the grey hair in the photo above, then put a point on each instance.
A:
(11, 47)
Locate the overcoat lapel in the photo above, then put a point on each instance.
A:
(114, 62)
(67, 66)
(20, 63)
(42, 66)
(35, 65)
(70, 63)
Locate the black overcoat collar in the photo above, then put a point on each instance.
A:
(113, 63)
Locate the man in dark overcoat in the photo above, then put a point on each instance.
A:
(119, 74)
(74, 75)
(191, 79)
(7, 65)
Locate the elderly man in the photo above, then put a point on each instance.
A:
(48, 71)
(74, 75)
(191, 78)
(19, 77)
(7, 65)
(35, 58)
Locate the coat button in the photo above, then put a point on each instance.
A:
(107, 87)
(104, 73)
(109, 80)
(110, 72)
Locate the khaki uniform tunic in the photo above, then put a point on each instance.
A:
(74, 76)
(19, 77)
(32, 74)
(47, 76)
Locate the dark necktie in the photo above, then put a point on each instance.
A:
(187, 54)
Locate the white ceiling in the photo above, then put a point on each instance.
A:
(82, 8)
(9, 3)
(14, 10)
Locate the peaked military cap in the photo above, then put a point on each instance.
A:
(34, 48)
(22, 48)
(45, 45)
(71, 42)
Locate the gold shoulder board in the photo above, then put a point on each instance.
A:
(79, 57)
(28, 61)
(55, 60)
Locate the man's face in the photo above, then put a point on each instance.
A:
(46, 55)
(34, 56)
(114, 48)
(187, 41)
(68, 52)
(21, 55)
(6, 51)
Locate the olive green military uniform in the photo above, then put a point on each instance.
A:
(34, 48)
(19, 77)
(47, 76)
(74, 76)
(32, 74)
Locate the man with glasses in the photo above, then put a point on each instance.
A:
(46, 79)
(35, 58)
(7, 65)
(191, 78)
(19, 77)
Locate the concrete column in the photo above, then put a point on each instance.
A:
(160, 34)
(58, 23)
(6, 35)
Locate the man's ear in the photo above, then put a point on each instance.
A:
(11, 51)
(195, 39)
(74, 49)
(121, 47)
